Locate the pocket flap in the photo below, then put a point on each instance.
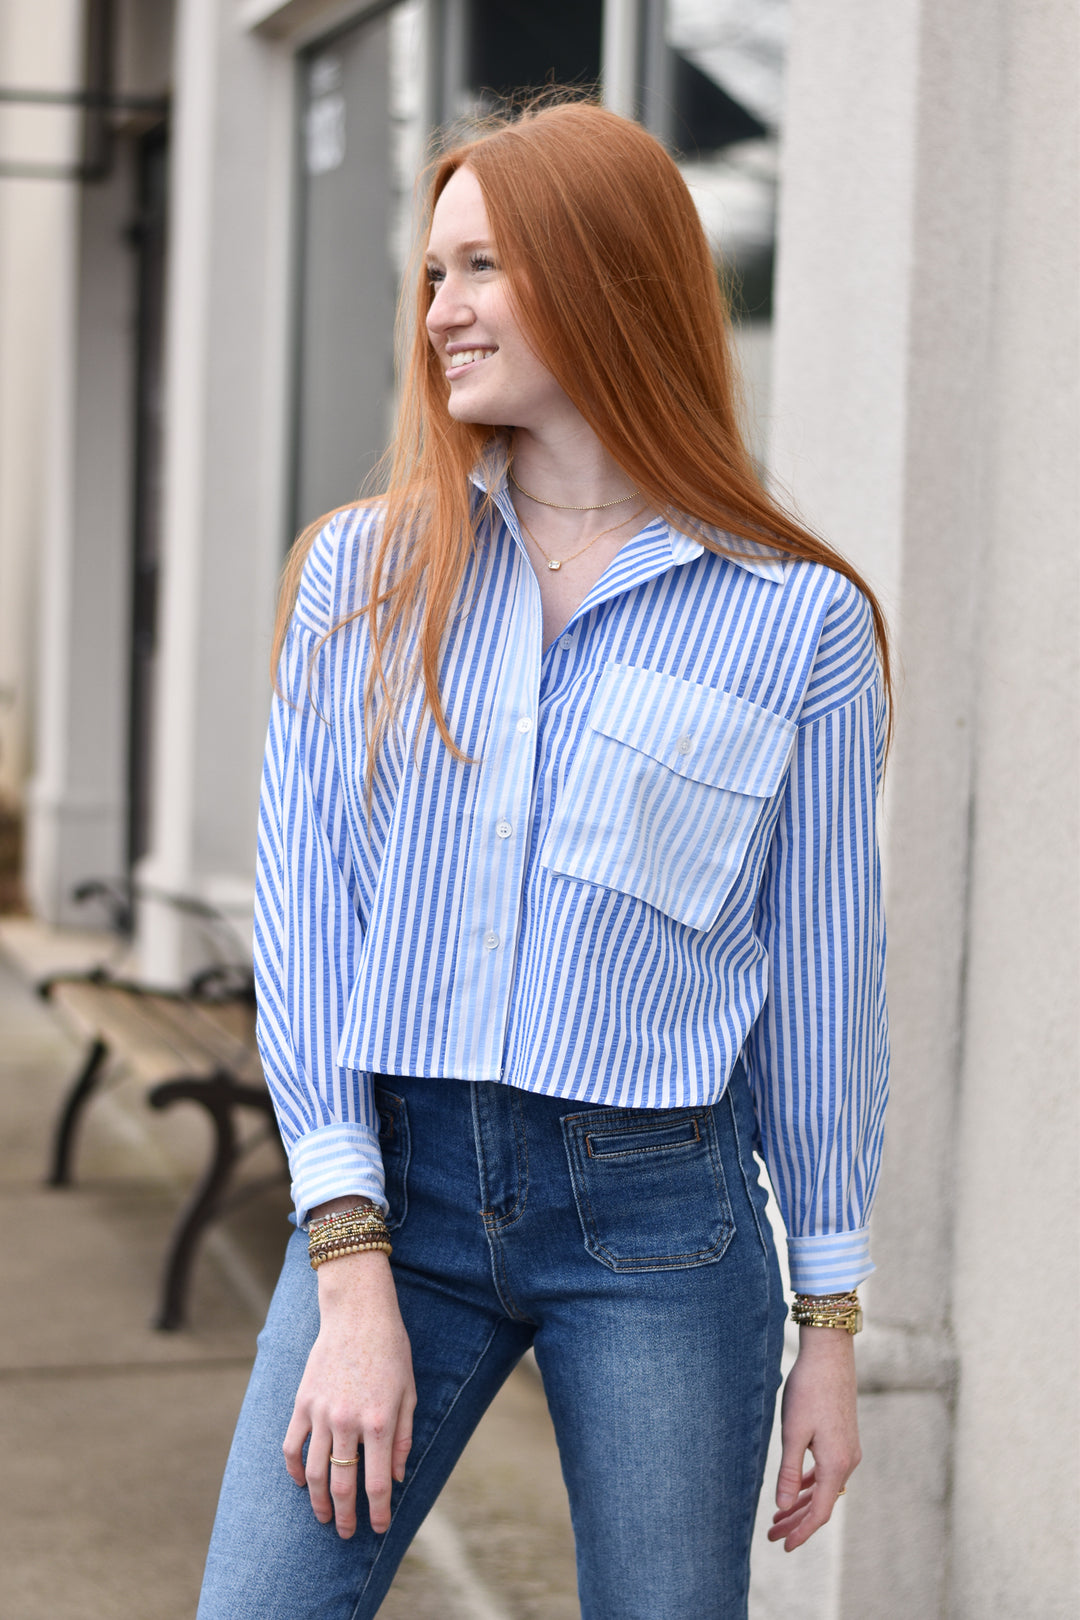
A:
(698, 731)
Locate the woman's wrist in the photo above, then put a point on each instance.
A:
(352, 1273)
(815, 1342)
(338, 1206)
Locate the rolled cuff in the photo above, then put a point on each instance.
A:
(336, 1161)
(830, 1264)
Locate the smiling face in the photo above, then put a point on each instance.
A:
(494, 376)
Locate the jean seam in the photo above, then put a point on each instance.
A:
(743, 1171)
(521, 1156)
(406, 1488)
(499, 1276)
(766, 1410)
(492, 1223)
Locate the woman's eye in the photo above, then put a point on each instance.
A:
(434, 276)
(480, 261)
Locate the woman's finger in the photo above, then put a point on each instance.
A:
(317, 1473)
(379, 1437)
(801, 1503)
(293, 1447)
(788, 1519)
(399, 1456)
(345, 1461)
(823, 1499)
(792, 1479)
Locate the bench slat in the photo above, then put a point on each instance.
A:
(157, 1036)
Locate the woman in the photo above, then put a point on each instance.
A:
(568, 898)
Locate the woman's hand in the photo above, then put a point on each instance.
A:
(357, 1392)
(817, 1415)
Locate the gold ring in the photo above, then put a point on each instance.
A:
(841, 1492)
(344, 1462)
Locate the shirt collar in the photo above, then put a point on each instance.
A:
(489, 476)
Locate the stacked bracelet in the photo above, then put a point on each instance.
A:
(353, 1231)
(828, 1310)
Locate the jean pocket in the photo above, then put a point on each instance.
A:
(394, 1146)
(649, 1186)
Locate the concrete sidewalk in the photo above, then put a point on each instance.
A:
(114, 1435)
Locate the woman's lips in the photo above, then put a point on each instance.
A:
(464, 358)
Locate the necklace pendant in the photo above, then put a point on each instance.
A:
(554, 564)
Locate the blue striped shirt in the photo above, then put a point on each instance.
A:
(661, 854)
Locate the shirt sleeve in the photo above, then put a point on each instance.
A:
(818, 1055)
(308, 930)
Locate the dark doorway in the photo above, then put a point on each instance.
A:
(147, 235)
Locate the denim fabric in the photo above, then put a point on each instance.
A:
(630, 1247)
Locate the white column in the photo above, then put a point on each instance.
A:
(76, 799)
(226, 460)
(927, 296)
(619, 65)
(38, 46)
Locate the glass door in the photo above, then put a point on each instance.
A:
(347, 279)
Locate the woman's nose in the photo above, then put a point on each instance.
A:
(447, 310)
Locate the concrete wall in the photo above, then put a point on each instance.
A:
(1015, 1300)
(924, 416)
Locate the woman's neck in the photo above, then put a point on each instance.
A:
(570, 469)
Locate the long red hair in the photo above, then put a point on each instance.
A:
(616, 290)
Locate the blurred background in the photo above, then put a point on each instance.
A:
(204, 213)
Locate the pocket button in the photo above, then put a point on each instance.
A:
(684, 744)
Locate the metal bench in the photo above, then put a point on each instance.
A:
(196, 1045)
(180, 1047)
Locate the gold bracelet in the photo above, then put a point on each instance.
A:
(367, 1223)
(829, 1311)
(358, 1212)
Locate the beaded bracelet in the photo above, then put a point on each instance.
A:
(319, 1257)
(828, 1310)
(351, 1231)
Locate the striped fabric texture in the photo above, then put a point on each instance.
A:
(659, 853)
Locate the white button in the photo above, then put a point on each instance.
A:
(524, 725)
(503, 828)
(684, 744)
(491, 941)
(566, 642)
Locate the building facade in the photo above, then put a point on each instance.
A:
(196, 310)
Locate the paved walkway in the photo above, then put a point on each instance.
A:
(115, 1435)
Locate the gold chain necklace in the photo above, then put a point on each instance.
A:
(561, 506)
(555, 563)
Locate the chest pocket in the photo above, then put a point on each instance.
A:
(665, 791)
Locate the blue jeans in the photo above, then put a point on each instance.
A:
(630, 1248)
